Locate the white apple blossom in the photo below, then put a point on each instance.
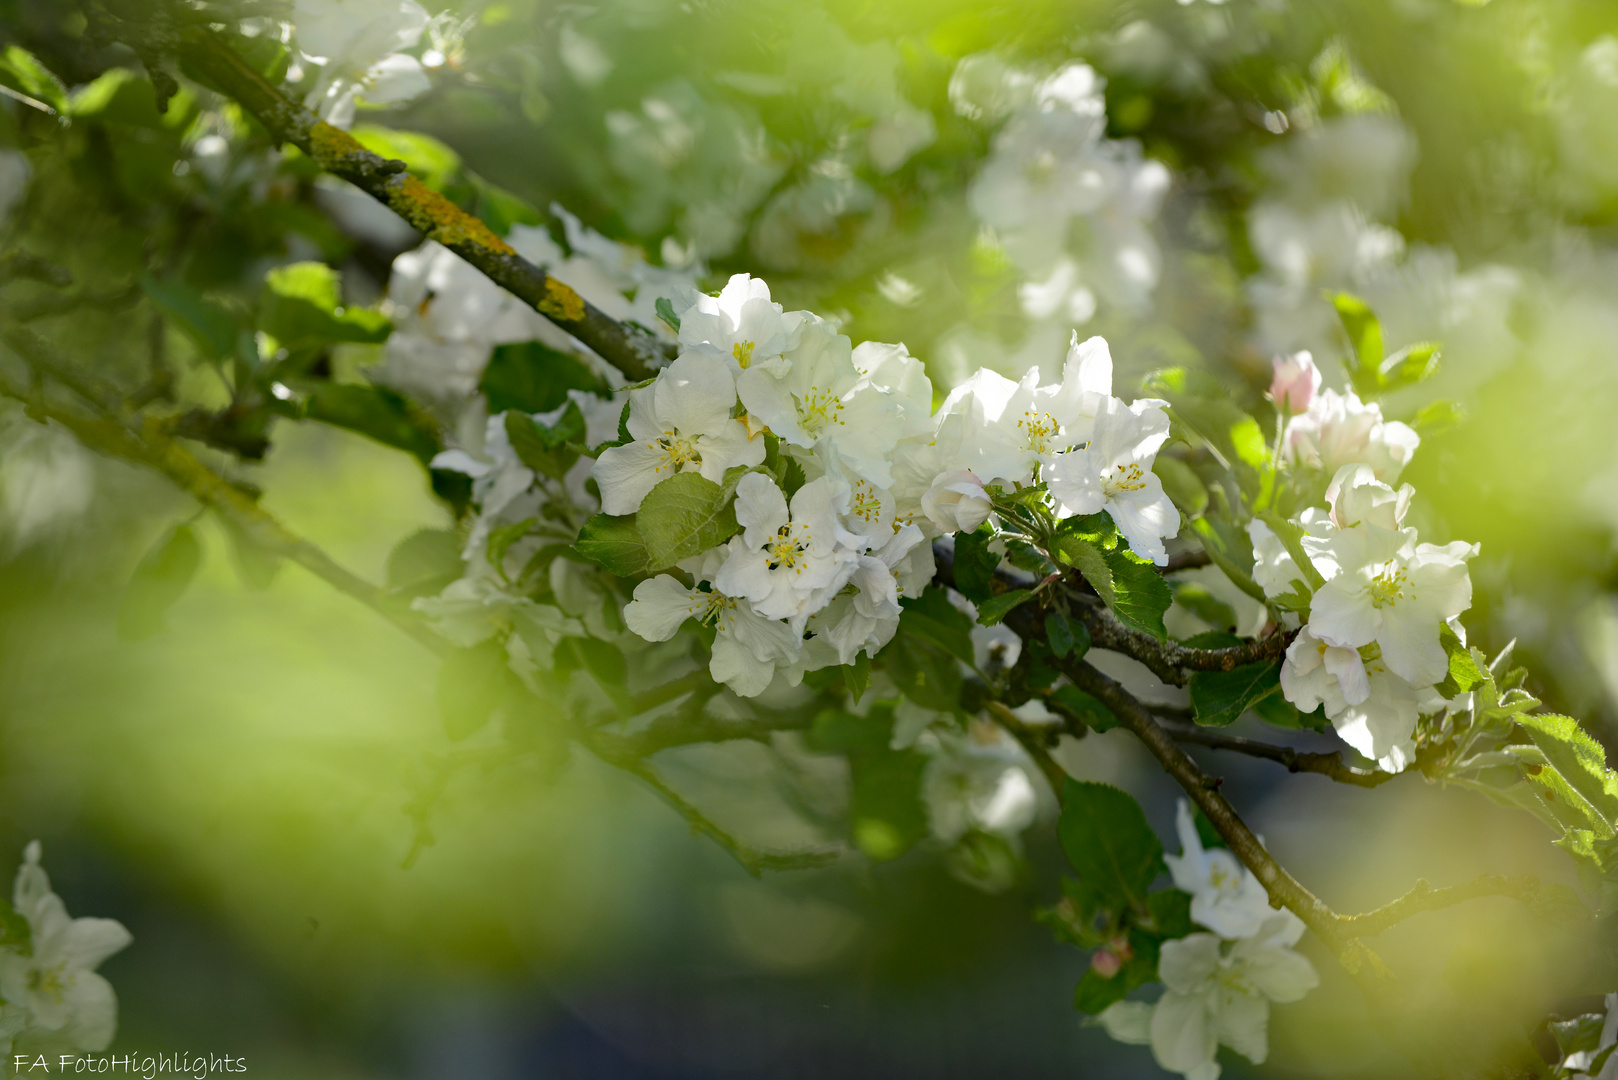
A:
(818, 395)
(1340, 429)
(1008, 428)
(741, 325)
(56, 984)
(979, 782)
(1316, 673)
(1225, 896)
(1383, 587)
(1217, 993)
(1114, 473)
(1381, 725)
(680, 423)
(475, 608)
(359, 45)
(747, 647)
(787, 564)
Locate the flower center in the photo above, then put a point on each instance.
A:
(786, 550)
(1039, 428)
(1042, 168)
(1129, 477)
(48, 982)
(1388, 587)
(677, 450)
(867, 503)
(817, 410)
(709, 607)
(743, 352)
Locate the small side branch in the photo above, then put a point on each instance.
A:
(1171, 661)
(1328, 765)
(1426, 898)
(1284, 889)
(755, 862)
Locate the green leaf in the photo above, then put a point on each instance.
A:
(1086, 709)
(1248, 440)
(1140, 595)
(992, 610)
(1364, 338)
(1219, 698)
(471, 685)
(888, 816)
(1066, 636)
(546, 449)
(933, 619)
(159, 580)
(432, 161)
(425, 561)
(1412, 364)
(975, 564)
(1582, 1033)
(1579, 758)
(857, 676)
(212, 328)
(375, 413)
(22, 70)
(665, 311)
(1464, 675)
(534, 378)
(501, 539)
(1089, 560)
(1291, 537)
(685, 515)
(922, 672)
(301, 307)
(1231, 551)
(615, 545)
(1109, 843)
(792, 477)
(1182, 485)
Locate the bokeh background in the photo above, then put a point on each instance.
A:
(238, 788)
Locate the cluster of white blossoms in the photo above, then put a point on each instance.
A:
(1072, 208)
(1370, 649)
(1219, 985)
(51, 999)
(880, 474)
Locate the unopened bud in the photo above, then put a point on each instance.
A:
(1296, 381)
(1106, 963)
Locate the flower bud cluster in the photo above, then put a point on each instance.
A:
(834, 533)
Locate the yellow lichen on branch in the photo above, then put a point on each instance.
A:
(441, 219)
(561, 302)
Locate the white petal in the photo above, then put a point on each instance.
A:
(1183, 1037)
(661, 605)
(1242, 1021)
(1186, 963)
(1128, 1022)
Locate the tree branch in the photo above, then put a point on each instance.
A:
(1329, 765)
(632, 350)
(1426, 898)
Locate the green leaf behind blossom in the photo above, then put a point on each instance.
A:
(1219, 698)
(614, 544)
(1109, 843)
(685, 515)
(159, 580)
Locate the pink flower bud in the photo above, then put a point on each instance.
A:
(1106, 963)
(1295, 383)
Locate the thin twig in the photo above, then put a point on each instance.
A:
(1328, 765)
(1426, 898)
